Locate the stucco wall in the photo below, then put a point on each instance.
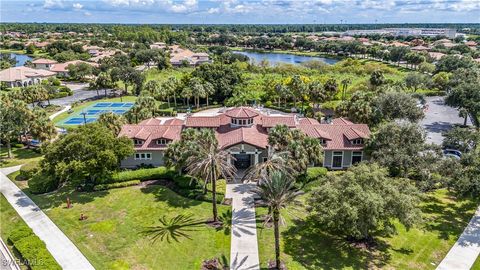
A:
(157, 160)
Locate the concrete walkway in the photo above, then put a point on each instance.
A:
(59, 112)
(244, 246)
(61, 248)
(467, 248)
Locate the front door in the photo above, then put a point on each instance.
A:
(337, 160)
(242, 161)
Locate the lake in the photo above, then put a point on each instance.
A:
(21, 58)
(275, 58)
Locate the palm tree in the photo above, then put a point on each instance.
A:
(274, 162)
(277, 191)
(170, 86)
(279, 137)
(345, 83)
(153, 88)
(209, 163)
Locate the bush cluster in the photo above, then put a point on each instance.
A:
(116, 185)
(42, 183)
(33, 251)
(141, 175)
(28, 170)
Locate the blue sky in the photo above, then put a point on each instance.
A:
(241, 11)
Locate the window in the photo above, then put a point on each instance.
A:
(137, 142)
(357, 157)
(357, 141)
(337, 160)
(162, 141)
(143, 156)
(323, 141)
(265, 159)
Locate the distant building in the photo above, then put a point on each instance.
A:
(420, 32)
(43, 63)
(23, 76)
(61, 68)
(179, 56)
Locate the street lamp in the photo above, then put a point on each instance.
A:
(84, 117)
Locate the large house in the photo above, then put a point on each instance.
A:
(60, 69)
(23, 76)
(243, 131)
(180, 56)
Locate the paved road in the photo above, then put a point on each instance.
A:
(439, 118)
(467, 248)
(80, 92)
(244, 246)
(61, 248)
(7, 261)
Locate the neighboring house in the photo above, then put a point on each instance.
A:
(43, 63)
(179, 56)
(23, 76)
(61, 68)
(243, 132)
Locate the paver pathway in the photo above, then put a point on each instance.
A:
(244, 246)
(467, 248)
(61, 248)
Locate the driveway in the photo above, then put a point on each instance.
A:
(80, 92)
(439, 118)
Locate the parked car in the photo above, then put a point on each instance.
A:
(452, 153)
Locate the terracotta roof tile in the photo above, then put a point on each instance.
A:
(241, 112)
(272, 121)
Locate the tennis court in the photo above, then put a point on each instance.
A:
(91, 113)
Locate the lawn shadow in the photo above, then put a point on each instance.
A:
(314, 249)
(162, 193)
(173, 229)
(447, 219)
(59, 197)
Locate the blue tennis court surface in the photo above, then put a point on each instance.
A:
(91, 113)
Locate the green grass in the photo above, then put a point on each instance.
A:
(63, 116)
(476, 265)
(20, 156)
(305, 246)
(10, 220)
(114, 234)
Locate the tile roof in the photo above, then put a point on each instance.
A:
(44, 61)
(272, 121)
(241, 112)
(338, 134)
(22, 73)
(62, 67)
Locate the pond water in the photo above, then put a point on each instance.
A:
(21, 58)
(275, 58)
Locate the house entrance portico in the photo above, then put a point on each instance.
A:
(245, 156)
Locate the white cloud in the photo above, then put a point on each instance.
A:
(213, 10)
(168, 5)
(86, 13)
(187, 5)
(49, 4)
(77, 6)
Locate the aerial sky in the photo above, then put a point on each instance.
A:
(241, 11)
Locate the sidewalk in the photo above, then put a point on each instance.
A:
(467, 248)
(61, 248)
(244, 246)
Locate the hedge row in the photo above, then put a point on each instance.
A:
(116, 185)
(141, 174)
(33, 251)
(42, 183)
(28, 170)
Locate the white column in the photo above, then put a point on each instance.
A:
(256, 159)
(229, 159)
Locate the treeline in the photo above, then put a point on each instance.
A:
(470, 28)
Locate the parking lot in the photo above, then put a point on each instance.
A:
(439, 118)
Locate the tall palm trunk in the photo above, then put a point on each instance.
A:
(207, 100)
(175, 99)
(105, 92)
(276, 219)
(98, 94)
(9, 148)
(214, 194)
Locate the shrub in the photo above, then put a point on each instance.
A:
(32, 250)
(19, 233)
(313, 173)
(116, 185)
(141, 174)
(28, 170)
(42, 183)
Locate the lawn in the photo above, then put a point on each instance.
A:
(10, 220)
(20, 156)
(420, 248)
(476, 265)
(115, 236)
(61, 117)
